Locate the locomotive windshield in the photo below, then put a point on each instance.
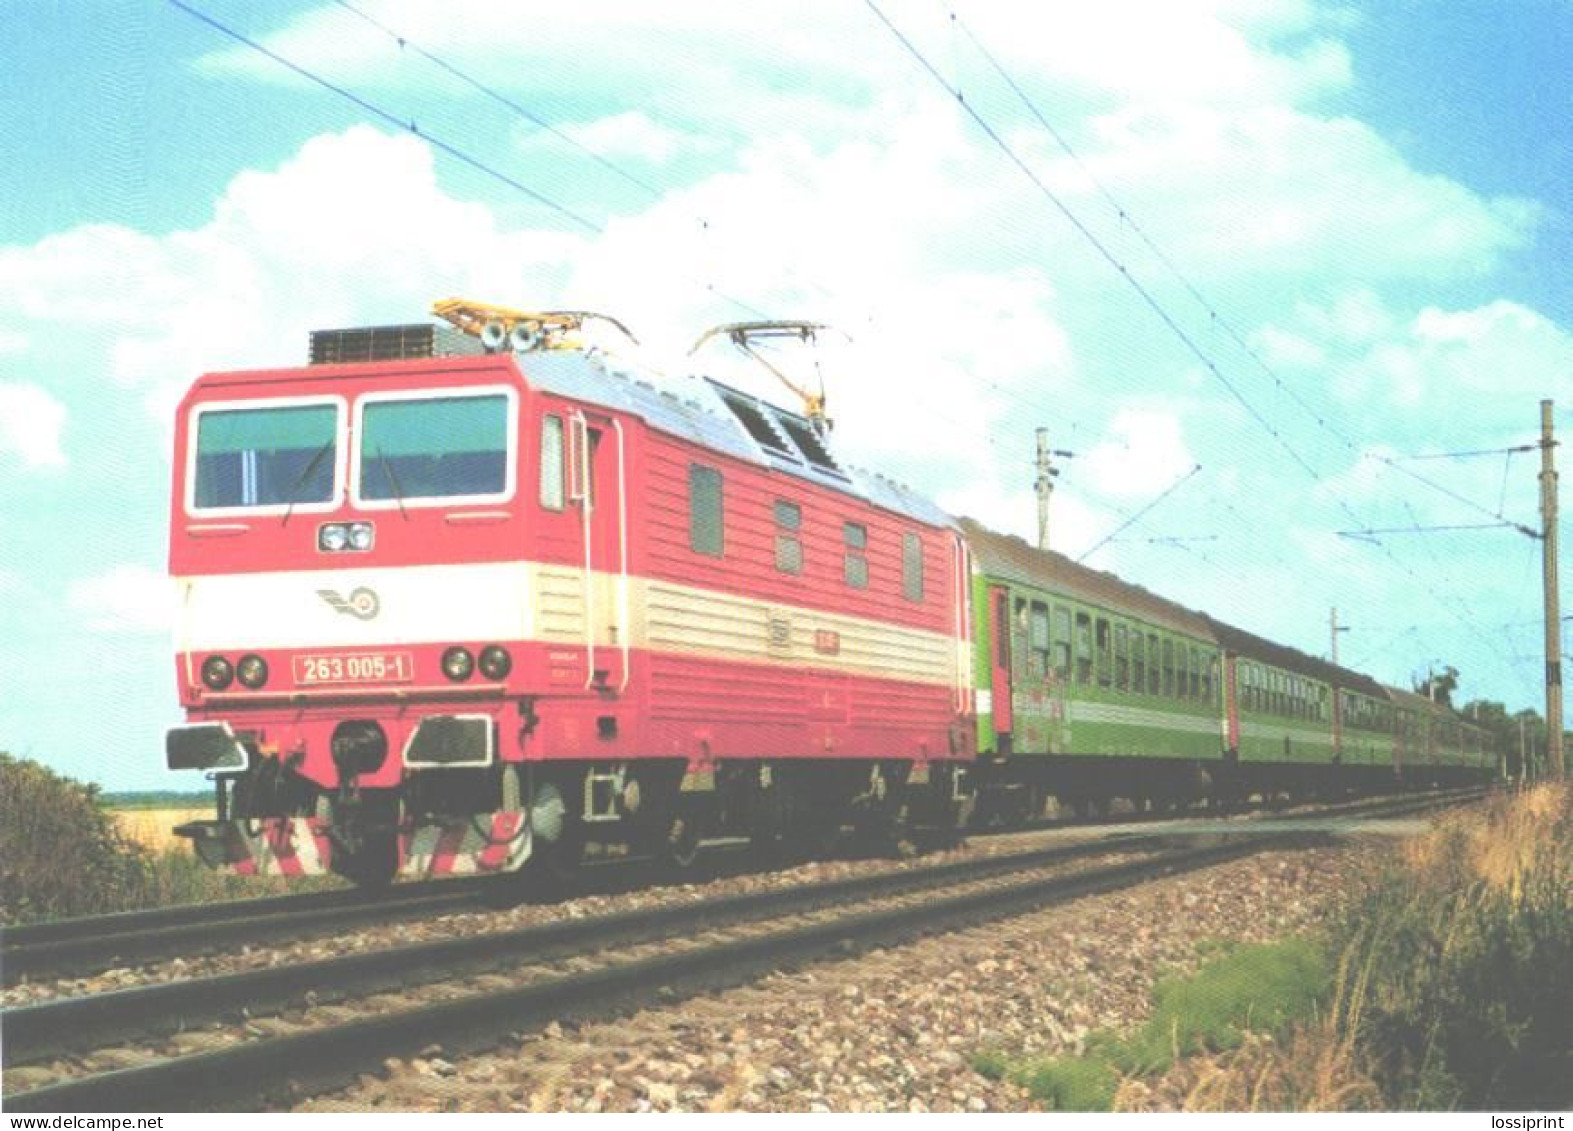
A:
(434, 447)
(263, 457)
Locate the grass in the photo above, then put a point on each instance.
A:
(1258, 988)
(1449, 988)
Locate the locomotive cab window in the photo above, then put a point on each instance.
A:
(260, 455)
(444, 446)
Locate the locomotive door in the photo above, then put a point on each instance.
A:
(597, 486)
(1000, 685)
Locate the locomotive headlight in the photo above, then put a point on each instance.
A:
(332, 537)
(457, 663)
(495, 662)
(360, 535)
(252, 671)
(217, 673)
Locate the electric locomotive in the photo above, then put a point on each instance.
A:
(452, 599)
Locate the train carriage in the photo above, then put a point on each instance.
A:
(451, 603)
(441, 613)
(1089, 688)
(1434, 746)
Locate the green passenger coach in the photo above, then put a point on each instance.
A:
(1089, 688)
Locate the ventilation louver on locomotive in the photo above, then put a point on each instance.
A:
(390, 343)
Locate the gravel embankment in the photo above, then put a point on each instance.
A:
(893, 1029)
(525, 970)
(482, 920)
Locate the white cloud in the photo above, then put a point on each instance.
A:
(1146, 452)
(634, 134)
(125, 599)
(31, 421)
(1257, 190)
(353, 229)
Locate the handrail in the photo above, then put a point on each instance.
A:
(626, 634)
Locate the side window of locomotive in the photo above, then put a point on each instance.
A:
(705, 533)
(434, 448)
(1083, 649)
(1039, 640)
(912, 567)
(265, 457)
(789, 543)
(552, 462)
(1062, 643)
(855, 534)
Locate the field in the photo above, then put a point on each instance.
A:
(151, 828)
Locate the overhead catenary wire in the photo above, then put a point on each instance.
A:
(1137, 516)
(405, 43)
(1156, 306)
(444, 146)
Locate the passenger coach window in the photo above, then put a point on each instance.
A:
(1122, 659)
(1105, 660)
(265, 457)
(1062, 643)
(552, 462)
(1083, 649)
(1168, 668)
(1038, 640)
(1138, 663)
(856, 536)
(1196, 673)
(789, 547)
(705, 534)
(434, 447)
(1154, 676)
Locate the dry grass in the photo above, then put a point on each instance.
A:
(153, 829)
(1452, 989)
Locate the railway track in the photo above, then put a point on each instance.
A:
(88, 945)
(697, 946)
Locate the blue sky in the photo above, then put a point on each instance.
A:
(1372, 198)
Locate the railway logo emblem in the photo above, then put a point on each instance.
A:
(362, 603)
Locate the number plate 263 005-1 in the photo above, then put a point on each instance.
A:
(355, 667)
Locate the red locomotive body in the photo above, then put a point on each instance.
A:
(444, 614)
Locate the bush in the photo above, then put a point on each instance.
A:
(1468, 957)
(61, 853)
(1455, 987)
